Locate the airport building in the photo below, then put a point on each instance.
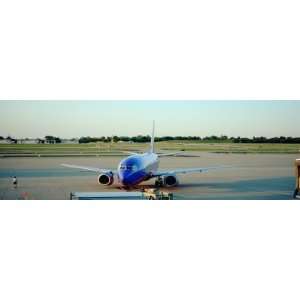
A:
(29, 141)
(5, 141)
(69, 141)
(8, 141)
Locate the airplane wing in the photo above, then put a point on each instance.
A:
(91, 169)
(185, 171)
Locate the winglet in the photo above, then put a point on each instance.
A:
(152, 138)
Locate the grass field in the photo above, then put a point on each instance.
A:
(99, 149)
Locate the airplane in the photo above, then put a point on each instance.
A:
(138, 168)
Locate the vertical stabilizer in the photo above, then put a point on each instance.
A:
(152, 139)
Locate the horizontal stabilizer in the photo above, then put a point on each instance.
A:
(178, 154)
(130, 152)
(168, 154)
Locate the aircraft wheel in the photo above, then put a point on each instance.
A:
(158, 183)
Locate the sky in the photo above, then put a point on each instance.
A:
(67, 119)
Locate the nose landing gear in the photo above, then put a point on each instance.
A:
(159, 182)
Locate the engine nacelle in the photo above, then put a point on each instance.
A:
(106, 179)
(170, 181)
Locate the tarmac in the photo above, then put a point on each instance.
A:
(248, 176)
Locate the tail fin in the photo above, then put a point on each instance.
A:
(152, 138)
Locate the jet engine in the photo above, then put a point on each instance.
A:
(106, 179)
(170, 180)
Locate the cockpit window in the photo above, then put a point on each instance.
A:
(131, 167)
(128, 167)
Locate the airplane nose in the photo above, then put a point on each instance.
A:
(123, 178)
(125, 181)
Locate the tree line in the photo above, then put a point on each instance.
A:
(264, 140)
(213, 138)
(49, 139)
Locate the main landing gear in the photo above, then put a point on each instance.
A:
(159, 182)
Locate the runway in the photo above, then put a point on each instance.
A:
(250, 176)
